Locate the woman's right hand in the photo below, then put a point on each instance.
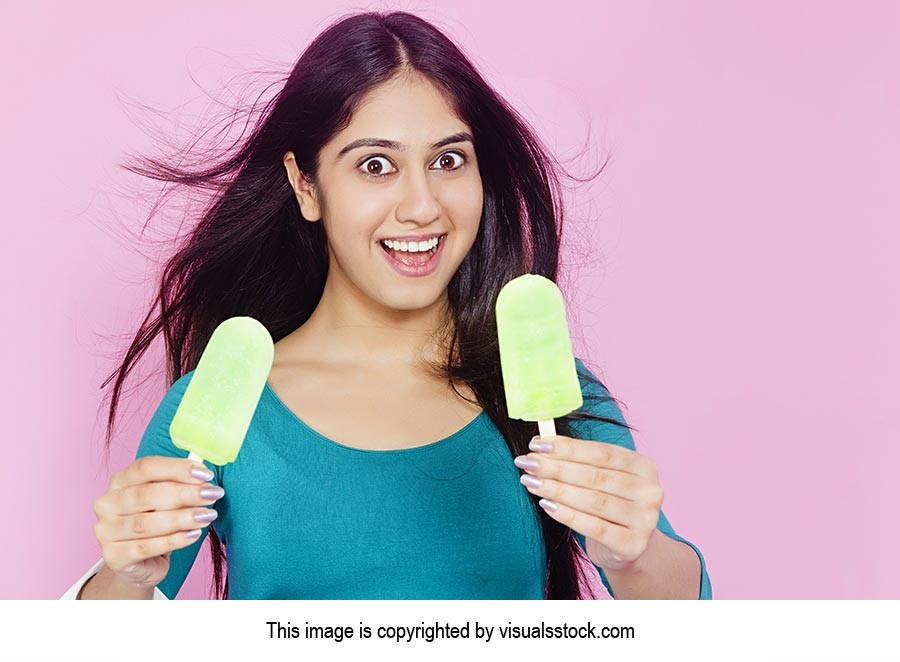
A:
(148, 510)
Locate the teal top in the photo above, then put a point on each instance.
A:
(305, 517)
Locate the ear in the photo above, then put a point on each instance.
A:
(304, 189)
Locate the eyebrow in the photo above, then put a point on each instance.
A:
(461, 136)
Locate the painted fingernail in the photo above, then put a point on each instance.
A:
(530, 481)
(193, 534)
(540, 446)
(205, 515)
(202, 474)
(212, 492)
(525, 463)
(548, 505)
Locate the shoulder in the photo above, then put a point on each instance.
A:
(156, 439)
(599, 418)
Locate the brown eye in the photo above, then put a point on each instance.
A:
(374, 167)
(446, 161)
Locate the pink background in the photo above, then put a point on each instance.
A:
(737, 287)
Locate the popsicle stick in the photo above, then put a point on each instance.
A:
(196, 458)
(547, 428)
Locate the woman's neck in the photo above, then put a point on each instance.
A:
(346, 330)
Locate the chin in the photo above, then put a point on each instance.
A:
(415, 297)
(411, 304)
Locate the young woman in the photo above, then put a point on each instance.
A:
(369, 221)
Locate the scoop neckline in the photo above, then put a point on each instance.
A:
(387, 451)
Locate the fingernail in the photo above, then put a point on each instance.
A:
(546, 504)
(214, 492)
(193, 534)
(206, 515)
(525, 463)
(202, 473)
(540, 446)
(530, 481)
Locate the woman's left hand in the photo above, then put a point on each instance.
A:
(608, 493)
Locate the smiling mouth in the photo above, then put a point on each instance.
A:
(416, 259)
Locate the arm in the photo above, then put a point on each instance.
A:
(668, 570)
(99, 582)
(672, 566)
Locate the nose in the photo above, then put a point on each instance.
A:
(417, 202)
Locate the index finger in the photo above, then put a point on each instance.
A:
(157, 468)
(599, 454)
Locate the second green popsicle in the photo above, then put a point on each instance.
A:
(539, 375)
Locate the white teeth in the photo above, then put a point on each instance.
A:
(412, 246)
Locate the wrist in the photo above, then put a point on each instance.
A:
(631, 568)
(635, 568)
(107, 585)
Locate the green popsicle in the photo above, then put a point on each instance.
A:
(536, 360)
(221, 398)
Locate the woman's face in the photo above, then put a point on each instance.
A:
(424, 184)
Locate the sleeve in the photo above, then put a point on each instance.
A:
(611, 433)
(157, 441)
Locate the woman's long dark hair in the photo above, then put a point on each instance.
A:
(252, 253)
